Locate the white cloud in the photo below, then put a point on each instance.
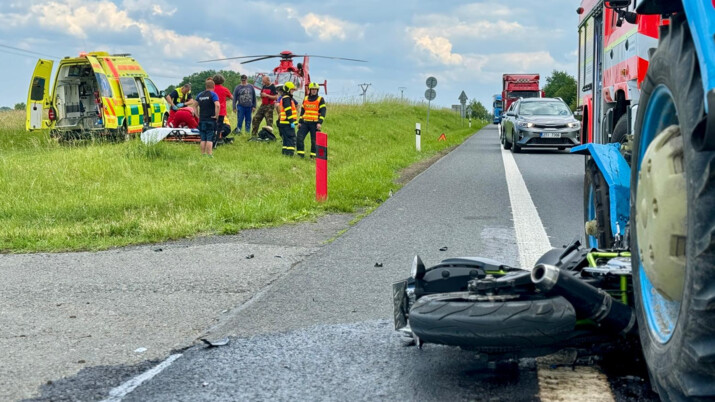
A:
(158, 10)
(529, 61)
(154, 8)
(440, 48)
(75, 18)
(326, 27)
(453, 27)
(490, 10)
(82, 19)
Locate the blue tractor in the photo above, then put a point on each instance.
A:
(654, 193)
(497, 108)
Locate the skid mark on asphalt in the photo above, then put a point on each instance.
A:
(559, 384)
(495, 241)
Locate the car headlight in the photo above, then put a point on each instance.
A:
(574, 125)
(525, 124)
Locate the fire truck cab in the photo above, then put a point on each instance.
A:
(614, 51)
(95, 94)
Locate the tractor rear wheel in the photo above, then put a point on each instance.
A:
(673, 224)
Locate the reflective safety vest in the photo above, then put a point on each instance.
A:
(182, 96)
(312, 109)
(283, 119)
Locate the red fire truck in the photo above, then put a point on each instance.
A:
(515, 86)
(614, 51)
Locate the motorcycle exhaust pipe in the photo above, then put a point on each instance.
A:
(588, 301)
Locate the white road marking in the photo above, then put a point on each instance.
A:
(116, 394)
(531, 237)
(581, 383)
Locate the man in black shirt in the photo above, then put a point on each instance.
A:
(209, 107)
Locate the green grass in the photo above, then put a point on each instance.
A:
(99, 195)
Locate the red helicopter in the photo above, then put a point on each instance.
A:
(286, 71)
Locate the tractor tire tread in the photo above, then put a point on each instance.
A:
(684, 367)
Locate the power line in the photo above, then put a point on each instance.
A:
(364, 88)
(29, 51)
(17, 54)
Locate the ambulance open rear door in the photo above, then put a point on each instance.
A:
(39, 97)
(104, 99)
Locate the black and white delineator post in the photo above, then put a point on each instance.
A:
(418, 135)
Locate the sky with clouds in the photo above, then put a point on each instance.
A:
(465, 45)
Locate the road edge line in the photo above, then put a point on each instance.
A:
(116, 394)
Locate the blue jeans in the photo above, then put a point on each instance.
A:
(244, 113)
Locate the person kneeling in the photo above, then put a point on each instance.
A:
(185, 117)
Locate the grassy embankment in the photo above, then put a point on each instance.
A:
(98, 195)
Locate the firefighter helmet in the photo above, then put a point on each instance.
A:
(288, 86)
(313, 85)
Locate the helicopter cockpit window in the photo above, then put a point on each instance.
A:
(282, 78)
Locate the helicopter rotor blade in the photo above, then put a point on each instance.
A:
(334, 58)
(262, 56)
(258, 59)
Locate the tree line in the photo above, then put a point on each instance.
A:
(198, 80)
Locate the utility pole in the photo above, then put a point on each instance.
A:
(402, 93)
(364, 88)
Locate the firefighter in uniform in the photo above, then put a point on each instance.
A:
(287, 118)
(311, 119)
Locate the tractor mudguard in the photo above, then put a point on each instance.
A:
(617, 173)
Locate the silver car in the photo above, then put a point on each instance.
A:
(540, 122)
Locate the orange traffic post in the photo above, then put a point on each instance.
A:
(321, 167)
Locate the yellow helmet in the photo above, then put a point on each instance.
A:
(313, 85)
(288, 86)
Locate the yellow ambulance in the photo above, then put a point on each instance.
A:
(95, 94)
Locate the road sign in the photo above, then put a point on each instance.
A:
(431, 82)
(430, 94)
(462, 98)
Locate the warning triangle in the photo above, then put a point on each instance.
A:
(442, 137)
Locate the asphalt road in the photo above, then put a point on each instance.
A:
(322, 330)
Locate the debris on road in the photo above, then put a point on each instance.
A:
(218, 342)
